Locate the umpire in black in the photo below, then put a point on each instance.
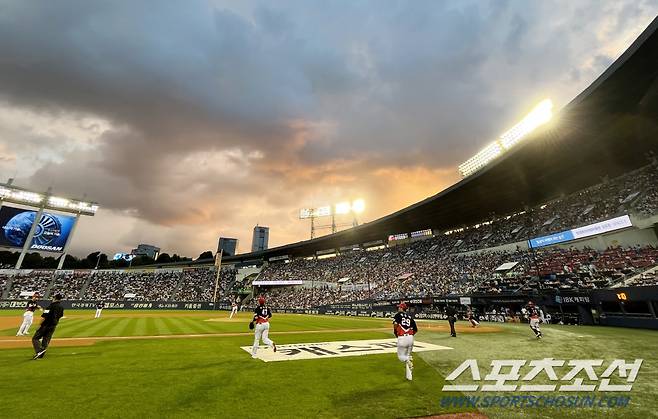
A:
(451, 312)
(51, 316)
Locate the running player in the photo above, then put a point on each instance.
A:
(472, 318)
(99, 309)
(534, 316)
(262, 315)
(234, 308)
(44, 333)
(28, 316)
(404, 329)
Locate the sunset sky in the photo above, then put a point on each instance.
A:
(187, 120)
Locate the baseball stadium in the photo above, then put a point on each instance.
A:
(528, 288)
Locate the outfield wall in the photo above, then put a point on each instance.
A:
(626, 306)
(121, 305)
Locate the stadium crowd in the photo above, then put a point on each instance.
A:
(29, 281)
(415, 271)
(107, 285)
(633, 193)
(447, 263)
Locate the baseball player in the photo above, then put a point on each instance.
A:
(534, 319)
(99, 309)
(44, 333)
(28, 316)
(404, 329)
(452, 318)
(262, 315)
(472, 318)
(234, 309)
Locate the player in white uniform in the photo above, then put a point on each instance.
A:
(28, 316)
(262, 315)
(99, 309)
(234, 309)
(472, 318)
(404, 329)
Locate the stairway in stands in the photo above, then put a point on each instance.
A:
(179, 284)
(49, 288)
(8, 284)
(84, 287)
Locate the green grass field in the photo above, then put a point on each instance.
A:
(210, 376)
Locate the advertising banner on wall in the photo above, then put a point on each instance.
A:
(601, 227)
(122, 305)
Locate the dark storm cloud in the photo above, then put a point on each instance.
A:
(226, 114)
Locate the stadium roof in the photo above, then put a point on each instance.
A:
(608, 129)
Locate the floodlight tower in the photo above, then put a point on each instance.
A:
(540, 115)
(40, 202)
(355, 207)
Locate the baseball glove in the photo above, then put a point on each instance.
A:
(251, 325)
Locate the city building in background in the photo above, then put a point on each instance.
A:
(260, 238)
(146, 250)
(229, 245)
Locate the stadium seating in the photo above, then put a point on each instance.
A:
(156, 285)
(450, 263)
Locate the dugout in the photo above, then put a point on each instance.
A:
(626, 307)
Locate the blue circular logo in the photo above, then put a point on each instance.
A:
(18, 227)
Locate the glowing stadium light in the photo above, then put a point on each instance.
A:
(314, 212)
(342, 208)
(355, 207)
(20, 196)
(540, 114)
(16, 195)
(58, 202)
(358, 206)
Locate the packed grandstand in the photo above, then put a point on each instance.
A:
(447, 263)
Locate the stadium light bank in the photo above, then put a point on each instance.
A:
(42, 201)
(540, 114)
(355, 207)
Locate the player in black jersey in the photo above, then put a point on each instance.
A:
(404, 329)
(28, 316)
(534, 316)
(451, 312)
(51, 316)
(262, 315)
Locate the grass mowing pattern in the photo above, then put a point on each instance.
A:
(136, 323)
(212, 376)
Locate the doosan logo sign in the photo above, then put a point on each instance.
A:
(522, 375)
